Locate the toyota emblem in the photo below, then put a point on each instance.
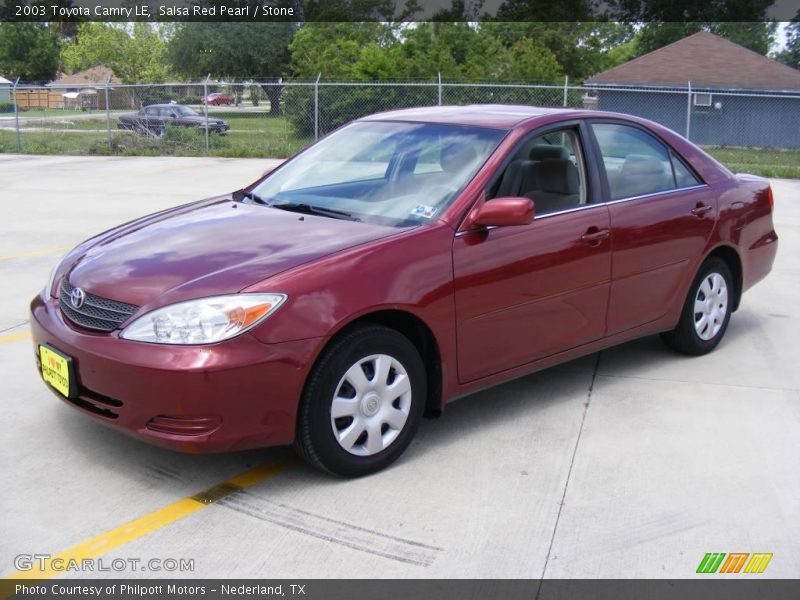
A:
(77, 297)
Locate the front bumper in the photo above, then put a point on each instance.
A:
(240, 394)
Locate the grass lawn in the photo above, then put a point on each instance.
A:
(251, 135)
(35, 142)
(53, 112)
(259, 134)
(768, 162)
(97, 123)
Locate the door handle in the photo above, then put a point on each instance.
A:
(701, 209)
(594, 236)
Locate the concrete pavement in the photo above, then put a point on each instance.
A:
(633, 463)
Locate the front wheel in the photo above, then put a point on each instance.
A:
(706, 312)
(362, 403)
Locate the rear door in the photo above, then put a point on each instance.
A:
(526, 292)
(662, 216)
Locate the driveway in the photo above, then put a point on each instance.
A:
(631, 463)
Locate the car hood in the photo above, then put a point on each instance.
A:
(207, 248)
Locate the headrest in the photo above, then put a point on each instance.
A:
(640, 164)
(558, 176)
(543, 151)
(455, 156)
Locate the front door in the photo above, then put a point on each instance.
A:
(527, 292)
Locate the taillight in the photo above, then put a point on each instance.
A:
(771, 199)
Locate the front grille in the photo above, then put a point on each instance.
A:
(101, 314)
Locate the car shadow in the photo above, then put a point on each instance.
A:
(526, 397)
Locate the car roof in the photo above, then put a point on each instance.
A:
(502, 116)
(165, 104)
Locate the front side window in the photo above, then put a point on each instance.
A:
(393, 173)
(548, 169)
(635, 162)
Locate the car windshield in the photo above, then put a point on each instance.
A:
(184, 111)
(392, 173)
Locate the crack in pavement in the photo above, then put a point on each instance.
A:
(569, 473)
(13, 327)
(718, 383)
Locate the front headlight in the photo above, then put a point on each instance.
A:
(49, 292)
(203, 321)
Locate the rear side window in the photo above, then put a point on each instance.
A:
(636, 163)
(683, 176)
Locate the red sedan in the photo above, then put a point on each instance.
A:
(407, 259)
(218, 99)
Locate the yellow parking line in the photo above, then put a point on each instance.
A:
(105, 542)
(15, 337)
(39, 252)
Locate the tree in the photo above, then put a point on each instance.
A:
(348, 10)
(581, 48)
(233, 50)
(544, 11)
(134, 53)
(689, 11)
(791, 55)
(459, 51)
(29, 51)
(334, 48)
(757, 36)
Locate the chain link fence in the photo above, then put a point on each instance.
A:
(746, 131)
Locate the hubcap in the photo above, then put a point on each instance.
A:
(371, 404)
(710, 306)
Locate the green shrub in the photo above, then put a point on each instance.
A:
(150, 96)
(6, 107)
(341, 104)
(174, 137)
(189, 100)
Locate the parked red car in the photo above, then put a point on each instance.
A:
(218, 99)
(408, 259)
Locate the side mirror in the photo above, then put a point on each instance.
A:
(503, 212)
(173, 115)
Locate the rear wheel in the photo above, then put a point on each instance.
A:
(706, 312)
(362, 403)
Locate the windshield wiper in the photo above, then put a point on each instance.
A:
(301, 207)
(310, 209)
(240, 195)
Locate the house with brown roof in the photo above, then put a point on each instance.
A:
(99, 74)
(714, 91)
(80, 89)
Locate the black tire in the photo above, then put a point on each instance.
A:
(315, 439)
(685, 337)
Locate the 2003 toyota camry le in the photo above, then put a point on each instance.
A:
(405, 260)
